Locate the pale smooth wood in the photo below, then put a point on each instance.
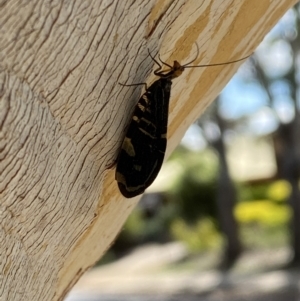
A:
(63, 115)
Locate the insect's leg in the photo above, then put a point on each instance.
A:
(158, 71)
(153, 59)
(138, 84)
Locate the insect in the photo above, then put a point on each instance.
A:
(143, 148)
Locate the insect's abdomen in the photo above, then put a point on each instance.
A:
(144, 145)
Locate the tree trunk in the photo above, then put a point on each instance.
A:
(226, 200)
(63, 116)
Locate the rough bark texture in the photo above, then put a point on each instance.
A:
(63, 115)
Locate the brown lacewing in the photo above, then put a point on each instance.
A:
(143, 149)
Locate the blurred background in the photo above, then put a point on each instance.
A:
(222, 220)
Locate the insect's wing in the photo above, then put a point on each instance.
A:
(144, 145)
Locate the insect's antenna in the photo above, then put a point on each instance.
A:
(164, 63)
(219, 64)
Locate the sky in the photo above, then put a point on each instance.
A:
(243, 96)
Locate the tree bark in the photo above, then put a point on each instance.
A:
(63, 115)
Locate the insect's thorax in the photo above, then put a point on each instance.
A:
(176, 70)
(172, 73)
(163, 84)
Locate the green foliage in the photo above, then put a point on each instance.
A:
(258, 236)
(199, 237)
(253, 192)
(190, 214)
(270, 214)
(139, 229)
(279, 191)
(264, 222)
(194, 191)
(108, 257)
(264, 213)
(203, 166)
(135, 224)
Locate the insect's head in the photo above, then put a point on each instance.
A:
(176, 70)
